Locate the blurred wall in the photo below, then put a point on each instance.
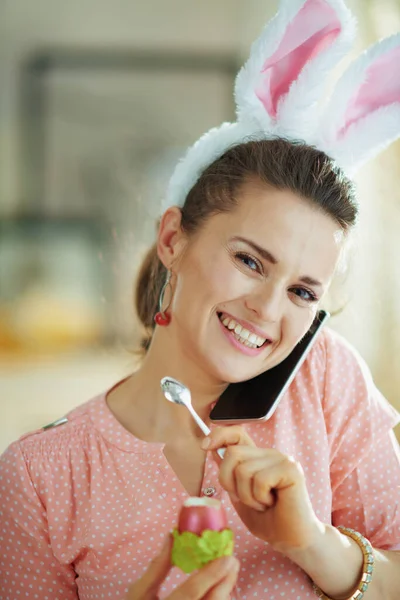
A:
(26, 26)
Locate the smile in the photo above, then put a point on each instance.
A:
(242, 335)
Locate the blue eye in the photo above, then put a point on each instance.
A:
(252, 263)
(305, 294)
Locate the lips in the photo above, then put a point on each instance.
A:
(242, 334)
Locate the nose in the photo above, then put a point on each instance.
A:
(267, 302)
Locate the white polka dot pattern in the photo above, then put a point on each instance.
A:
(85, 506)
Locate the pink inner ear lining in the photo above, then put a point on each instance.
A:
(314, 28)
(379, 89)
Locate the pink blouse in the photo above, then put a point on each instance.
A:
(85, 505)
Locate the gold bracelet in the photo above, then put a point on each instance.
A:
(368, 565)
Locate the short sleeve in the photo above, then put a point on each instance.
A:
(28, 567)
(368, 498)
(364, 453)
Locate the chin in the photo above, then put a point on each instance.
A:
(233, 371)
(228, 365)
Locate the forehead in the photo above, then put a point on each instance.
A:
(300, 235)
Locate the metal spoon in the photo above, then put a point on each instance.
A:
(176, 392)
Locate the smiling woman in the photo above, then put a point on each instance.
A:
(267, 166)
(257, 241)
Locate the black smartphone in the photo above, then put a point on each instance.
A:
(256, 399)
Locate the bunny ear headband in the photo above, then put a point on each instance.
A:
(279, 90)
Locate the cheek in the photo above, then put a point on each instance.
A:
(296, 326)
(212, 280)
(296, 329)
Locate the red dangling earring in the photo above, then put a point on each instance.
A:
(162, 317)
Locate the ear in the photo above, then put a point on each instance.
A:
(363, 114)
(171, 240)
(290, 62)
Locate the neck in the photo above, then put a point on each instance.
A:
(140, 400)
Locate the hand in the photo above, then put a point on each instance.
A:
(215, 581)
(267, 489)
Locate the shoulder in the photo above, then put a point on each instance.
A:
(349, 391)
(68, 434)
(344, 369)
(331, 344)
(337, 359)
(50, 463)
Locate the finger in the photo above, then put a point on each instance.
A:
(285, 475)
(239, 452)
(245, 473)
(199, 584)
(224, 589)
(227, 436)
(155, 574)
(234, 456)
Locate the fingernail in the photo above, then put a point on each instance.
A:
(205, 443)
(234, 498)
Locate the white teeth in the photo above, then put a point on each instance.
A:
(244, 342)
(251, 340)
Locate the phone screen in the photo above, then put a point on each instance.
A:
(257, 398)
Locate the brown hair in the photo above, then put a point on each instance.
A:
(279, 163)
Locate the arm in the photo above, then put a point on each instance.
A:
(334, 562)
(28, 566)
(367, 500)
(269, 493)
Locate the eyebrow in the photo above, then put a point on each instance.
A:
(266, 254)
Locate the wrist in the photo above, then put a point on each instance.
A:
(309, 548)
(333, 561)
(308, 542)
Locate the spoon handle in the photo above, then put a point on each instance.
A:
(206, 430)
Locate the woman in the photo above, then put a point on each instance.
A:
(251, 249)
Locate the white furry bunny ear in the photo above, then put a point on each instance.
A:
(289, 64)
(278, 88)
(363, 114)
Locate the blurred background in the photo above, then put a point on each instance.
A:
(98, 99)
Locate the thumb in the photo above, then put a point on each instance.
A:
(155, 574)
